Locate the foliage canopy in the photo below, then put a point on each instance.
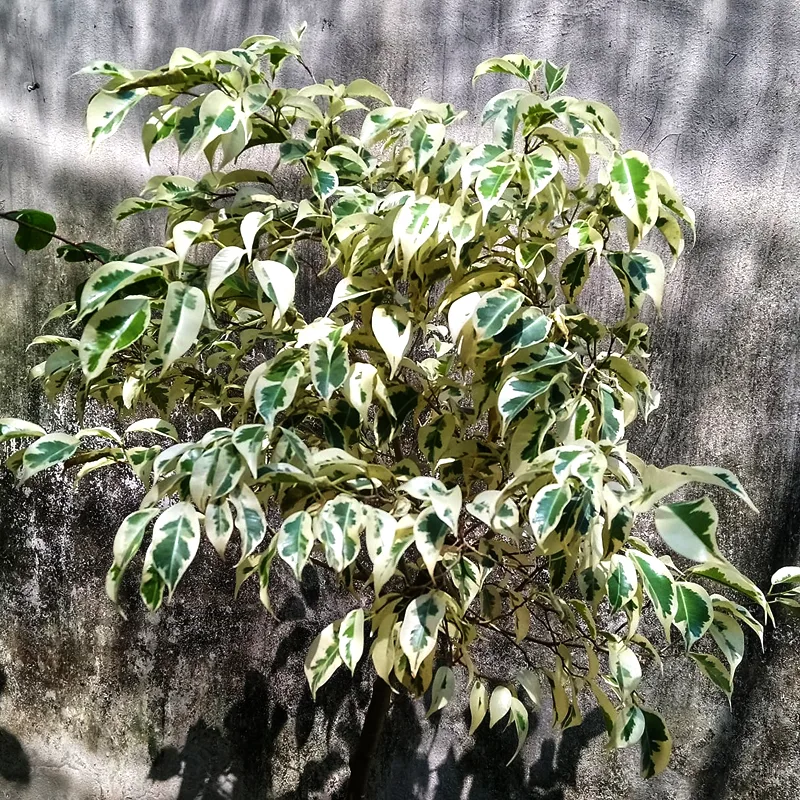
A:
(449, 438)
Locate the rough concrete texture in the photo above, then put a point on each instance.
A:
(206, 698)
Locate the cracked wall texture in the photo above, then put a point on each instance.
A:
(206, 699)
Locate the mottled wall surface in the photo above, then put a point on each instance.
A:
(206, 699)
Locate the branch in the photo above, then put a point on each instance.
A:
(9, 215)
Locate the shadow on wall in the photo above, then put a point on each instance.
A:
(14, 764)
(409, 773)
(240, 760)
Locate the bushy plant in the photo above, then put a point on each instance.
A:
(449, 439)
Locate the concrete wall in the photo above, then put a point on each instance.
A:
(206, 698)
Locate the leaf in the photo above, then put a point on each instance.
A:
(176, 537)
(546, 509)
(35, 228)
(434, 438)
(444, 683)
(715, 671)
(339, 526)
(787, 576)
(380, 122)
(217, 116)
(726, 574)
(729, 637)
(694, 612)
(250, 520)
(499, 704)
(107, 109)
(278, 283)
(430, 533)
(181, 322)
(324, 179)
(622, 581)
(323, 658)
(425, 138)
(414, 225)
(624, 667)
(46, 452)
(115, 327)
(386, 544)
(420, 628)
(628, 727)
(491, 183)
(351, 638)
(575, 273)
(633, 189)
(612, 421)
(250, 225)
(530, 682)
(219, 525)
(14, 428)
(328, 364)
(163, 427)
(446, 502)
(478, 704)
(127, 542)
(659, 585)
(249, 441)
(361, 87)
(274, 391)
(392, 328)
(540, 166)
(185, 234)
(689, 528)
(295, 541)
(515, 64)
(516, 395)
(224, 264)
(519, 716)
(554, 76)
(656, 744)
(494, 312)
(215, 473)
(722, 604)
(640, 273)
(715, 476)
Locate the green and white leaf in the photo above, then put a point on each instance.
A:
(690, 528)
(115, 327)
(633, 189)
(478, 705)
(694, 613)
(323, 658)
(444, 682)
(339, 527)
(392, 328)
(430, 532)
(176, 537)
(127, 542)
(351, 638)
(656, 744)
(659, 585)
(420, 628)
(46, 452)
(181, 322)
(296, 540)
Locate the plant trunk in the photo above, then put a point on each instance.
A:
(367, 746)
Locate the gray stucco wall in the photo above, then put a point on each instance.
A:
(206, 698)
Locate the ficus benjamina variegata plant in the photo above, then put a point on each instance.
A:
(449, 438)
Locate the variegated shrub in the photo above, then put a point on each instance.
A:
(449, 439)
